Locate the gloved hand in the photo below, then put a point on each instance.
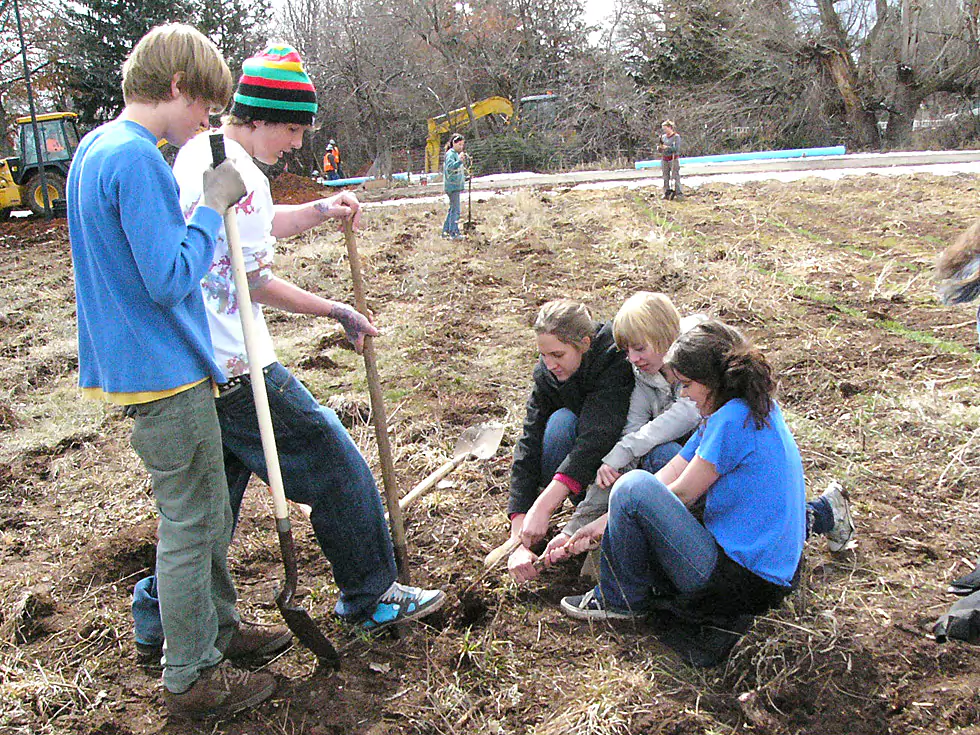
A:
(223, 186)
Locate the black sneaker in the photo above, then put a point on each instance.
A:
(967, 584)
(149, 655)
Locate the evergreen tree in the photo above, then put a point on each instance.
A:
(102, 33)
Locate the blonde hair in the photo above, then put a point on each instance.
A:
(567, 320)
(668, 124)
(647, 319)
(176, 49)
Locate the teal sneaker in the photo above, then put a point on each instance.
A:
(402, 603)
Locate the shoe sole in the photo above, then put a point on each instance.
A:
(838, 546)
(577, 613)
(418, 614)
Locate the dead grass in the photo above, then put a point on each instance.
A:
(832, 278)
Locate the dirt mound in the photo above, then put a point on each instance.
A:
(289, 188)
(23, 231)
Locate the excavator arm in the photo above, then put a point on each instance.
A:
(457, 119)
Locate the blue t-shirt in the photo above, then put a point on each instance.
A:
(756, 509)
(138, 267)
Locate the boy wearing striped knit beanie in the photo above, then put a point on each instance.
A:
(274, 105)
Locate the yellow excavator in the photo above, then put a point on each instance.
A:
(535, 111)
(20, 180)
(456, 119)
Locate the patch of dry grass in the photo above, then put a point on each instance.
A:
(815, 271)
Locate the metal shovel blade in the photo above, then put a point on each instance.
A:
(295, 615)
(480, 442)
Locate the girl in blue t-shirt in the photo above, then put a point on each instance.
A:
(743, 558)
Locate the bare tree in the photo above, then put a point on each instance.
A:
(893, 54)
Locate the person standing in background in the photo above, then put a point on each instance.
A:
(454, 180)
(331, 161)
(670, 161)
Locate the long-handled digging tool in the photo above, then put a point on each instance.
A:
(478, 442)
(378, 414)
(470, 225)
(296, 617)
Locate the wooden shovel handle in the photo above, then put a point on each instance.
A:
(504, 550)
(378, 414)
(430, 482)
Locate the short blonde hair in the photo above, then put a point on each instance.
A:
(647, 318)
(169, 50)
(567, 320)
(668, 124)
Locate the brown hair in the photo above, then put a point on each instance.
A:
(569, 321)
(727, 364)
(176, 49)
(453, 140)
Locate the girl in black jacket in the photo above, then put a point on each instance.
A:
(575, 415)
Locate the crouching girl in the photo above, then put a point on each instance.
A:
(576, 412)
(743, 559)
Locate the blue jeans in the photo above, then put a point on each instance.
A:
(451, 226)
(321, 467)
(652, 544)
(179, 441)
(659, 457)
(559, 437)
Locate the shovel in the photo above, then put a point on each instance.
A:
(470, 224)
(378, 415)
(478, 442)
(296, 617)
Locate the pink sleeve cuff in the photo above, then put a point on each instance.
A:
(574, 486)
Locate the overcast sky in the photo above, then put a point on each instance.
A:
(597, 11)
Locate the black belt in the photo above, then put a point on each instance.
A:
(232, 384)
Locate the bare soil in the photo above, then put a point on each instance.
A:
(833, 279)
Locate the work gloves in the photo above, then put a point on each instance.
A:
(223, 186)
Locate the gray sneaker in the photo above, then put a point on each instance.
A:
(221, 691)
(841, 536)
(590, 607)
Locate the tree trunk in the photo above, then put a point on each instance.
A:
(862, 126)
(905, 103)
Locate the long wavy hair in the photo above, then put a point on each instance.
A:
(727, 364)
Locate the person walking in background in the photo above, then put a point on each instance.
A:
(138, 268)
(331, 161)
(670, 163)
(454, 180)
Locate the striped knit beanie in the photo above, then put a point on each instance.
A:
(274, 87)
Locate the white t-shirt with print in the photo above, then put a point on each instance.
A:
(254, 212)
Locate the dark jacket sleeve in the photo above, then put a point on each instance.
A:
(525, 474)
(607, 385)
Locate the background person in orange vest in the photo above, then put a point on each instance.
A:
(331, 161)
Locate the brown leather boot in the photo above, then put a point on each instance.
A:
(220, 691)
(255, 641)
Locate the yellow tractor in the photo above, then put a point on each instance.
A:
(20, 176)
